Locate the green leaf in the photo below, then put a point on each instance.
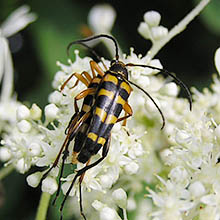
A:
(211, 16)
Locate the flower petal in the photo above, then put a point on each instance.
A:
(217, 60)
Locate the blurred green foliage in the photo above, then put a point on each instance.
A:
(211, 16)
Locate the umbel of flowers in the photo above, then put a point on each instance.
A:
(186, 152)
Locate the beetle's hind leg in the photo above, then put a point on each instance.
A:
(80, 173)
(73, 129)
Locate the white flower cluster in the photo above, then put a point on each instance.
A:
(18, 20)
(150, 28)
(193, 185)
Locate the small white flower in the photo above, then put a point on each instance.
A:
(131, 204)
(23, 112)
(120, 197)
(34, 149)
(179, 175)
(217, 60)
(109, 214)
(5, 154)
(105, 181)
(49, 184)
(101, 18)
(24, 126)
(169, 89)
(159, 32)
(144, 30)
(105, 212)
(35, 112)
(197, 189)
(51, 112)
(18, 20)
(34, 179)
(65, 186)
(98, 205)
(131, 168)
(182, 137)
(21, 165)
(152, 18)
(55, 97)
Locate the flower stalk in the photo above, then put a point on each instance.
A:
(176, 29)
(5, 171)
(43, 206)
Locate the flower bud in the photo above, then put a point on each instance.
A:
(24, 126)
(144, 31)
(178, 174)
(5, 154)
(101, 18)
(169, 89)
(49, 185)
(182, 137)
(34, 179)
(197, 189)
(51, 112)
(217, 60)
(131, 168)
(159, 32)
(35, 112)
(98, 205)
(152, 18)
(120, 197)
(109, 214)
(132, 205)
(22, 112)
(21, 166)
(55, 97)
(105, 181)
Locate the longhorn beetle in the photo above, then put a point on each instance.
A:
(106, 96)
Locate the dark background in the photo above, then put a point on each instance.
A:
(36, 49)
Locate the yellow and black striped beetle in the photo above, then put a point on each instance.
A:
(106, 96)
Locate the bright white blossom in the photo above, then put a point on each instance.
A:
(150, 28)
(18, 20)
(217, 60)
(101, 18)
(120, 197)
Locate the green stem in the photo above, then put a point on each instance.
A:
(5, 171)
(177, 29)
(43, 206)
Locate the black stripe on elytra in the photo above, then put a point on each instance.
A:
(110, 86)
(102, 101)
(123, 93)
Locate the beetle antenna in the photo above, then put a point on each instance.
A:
(149, 96)
(167, 73)
(93, 38)
(89, 48)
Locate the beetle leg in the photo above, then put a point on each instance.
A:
(85, 80)
(64, 149)
(128, 112)
(95, 67)
(81, 172)
(88, 77)
(81, 95)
